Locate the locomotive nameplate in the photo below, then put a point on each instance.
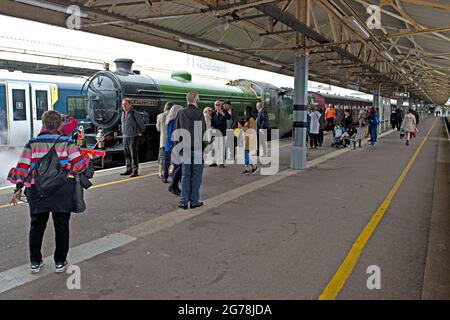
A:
(144, 102)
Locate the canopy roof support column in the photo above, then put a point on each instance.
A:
(299, 147)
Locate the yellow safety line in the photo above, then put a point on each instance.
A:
(98, 186)
(123, 180)
(335, 285)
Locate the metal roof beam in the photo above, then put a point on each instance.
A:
(413, 33)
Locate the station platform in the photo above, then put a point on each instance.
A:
(305, 234)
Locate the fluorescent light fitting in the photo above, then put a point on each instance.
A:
(199, 44)
(270, 63)
(387, 55)
(334, 81)
(403, 70)
(358, 27)
(49, 6)
(313, 75)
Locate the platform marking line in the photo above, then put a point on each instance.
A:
(153, 174)
(446, 129)
(20, 275)
(123, 180)
(344, 271)
(98, 186)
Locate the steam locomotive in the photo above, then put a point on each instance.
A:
(105, 90)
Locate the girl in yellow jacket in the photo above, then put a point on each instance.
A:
(249, 128)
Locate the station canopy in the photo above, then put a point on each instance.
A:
(44, 68)
(407, 49)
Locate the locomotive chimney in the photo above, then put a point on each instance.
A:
(124, 65)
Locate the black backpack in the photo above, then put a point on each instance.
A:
(49, 175)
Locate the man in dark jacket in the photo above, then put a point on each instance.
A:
(399, 118)
(262, 124)
(192, 120)
(132, 128)
(219, 120)
(232, 123)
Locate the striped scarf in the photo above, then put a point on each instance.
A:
(68, 153)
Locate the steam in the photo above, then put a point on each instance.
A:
(9, 155)
(8, 160)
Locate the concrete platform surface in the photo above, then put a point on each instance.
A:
(275, 237)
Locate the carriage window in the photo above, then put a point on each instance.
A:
(19, 105)
(76, 107)
(41, 103)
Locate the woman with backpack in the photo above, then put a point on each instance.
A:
(48, 190)
(373, 122)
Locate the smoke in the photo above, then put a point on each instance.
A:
(8, 160)
(9, 155)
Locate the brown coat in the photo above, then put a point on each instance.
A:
(250, 144)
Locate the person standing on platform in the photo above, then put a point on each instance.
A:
(249, 140)
(192, 167)
(398, 118)
(232, 123)
(393, 119)
(361, 126)
(207, 113)
(373, 122)
(219, 120)
(314, 127)
(262, 125)
(409, 125)
(132, 128)
(347, 123)
(322, 126)
(161, 127)
(176, 172)
(60, 200)
(330, 115)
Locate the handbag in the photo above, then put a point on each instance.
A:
(79, 206)
(402, 134)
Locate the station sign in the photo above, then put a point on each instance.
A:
(398, 94)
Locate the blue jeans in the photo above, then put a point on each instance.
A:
(191, 180)
(176, 176)
(247, 158)
(373, 134)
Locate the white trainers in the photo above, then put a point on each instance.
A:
(60, 266)
(36, 267)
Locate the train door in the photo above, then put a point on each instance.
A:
(19, 115)
(40, 102)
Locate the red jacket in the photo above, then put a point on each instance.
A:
(66, 129)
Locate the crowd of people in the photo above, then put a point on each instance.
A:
(220, 122)
(53, 146)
